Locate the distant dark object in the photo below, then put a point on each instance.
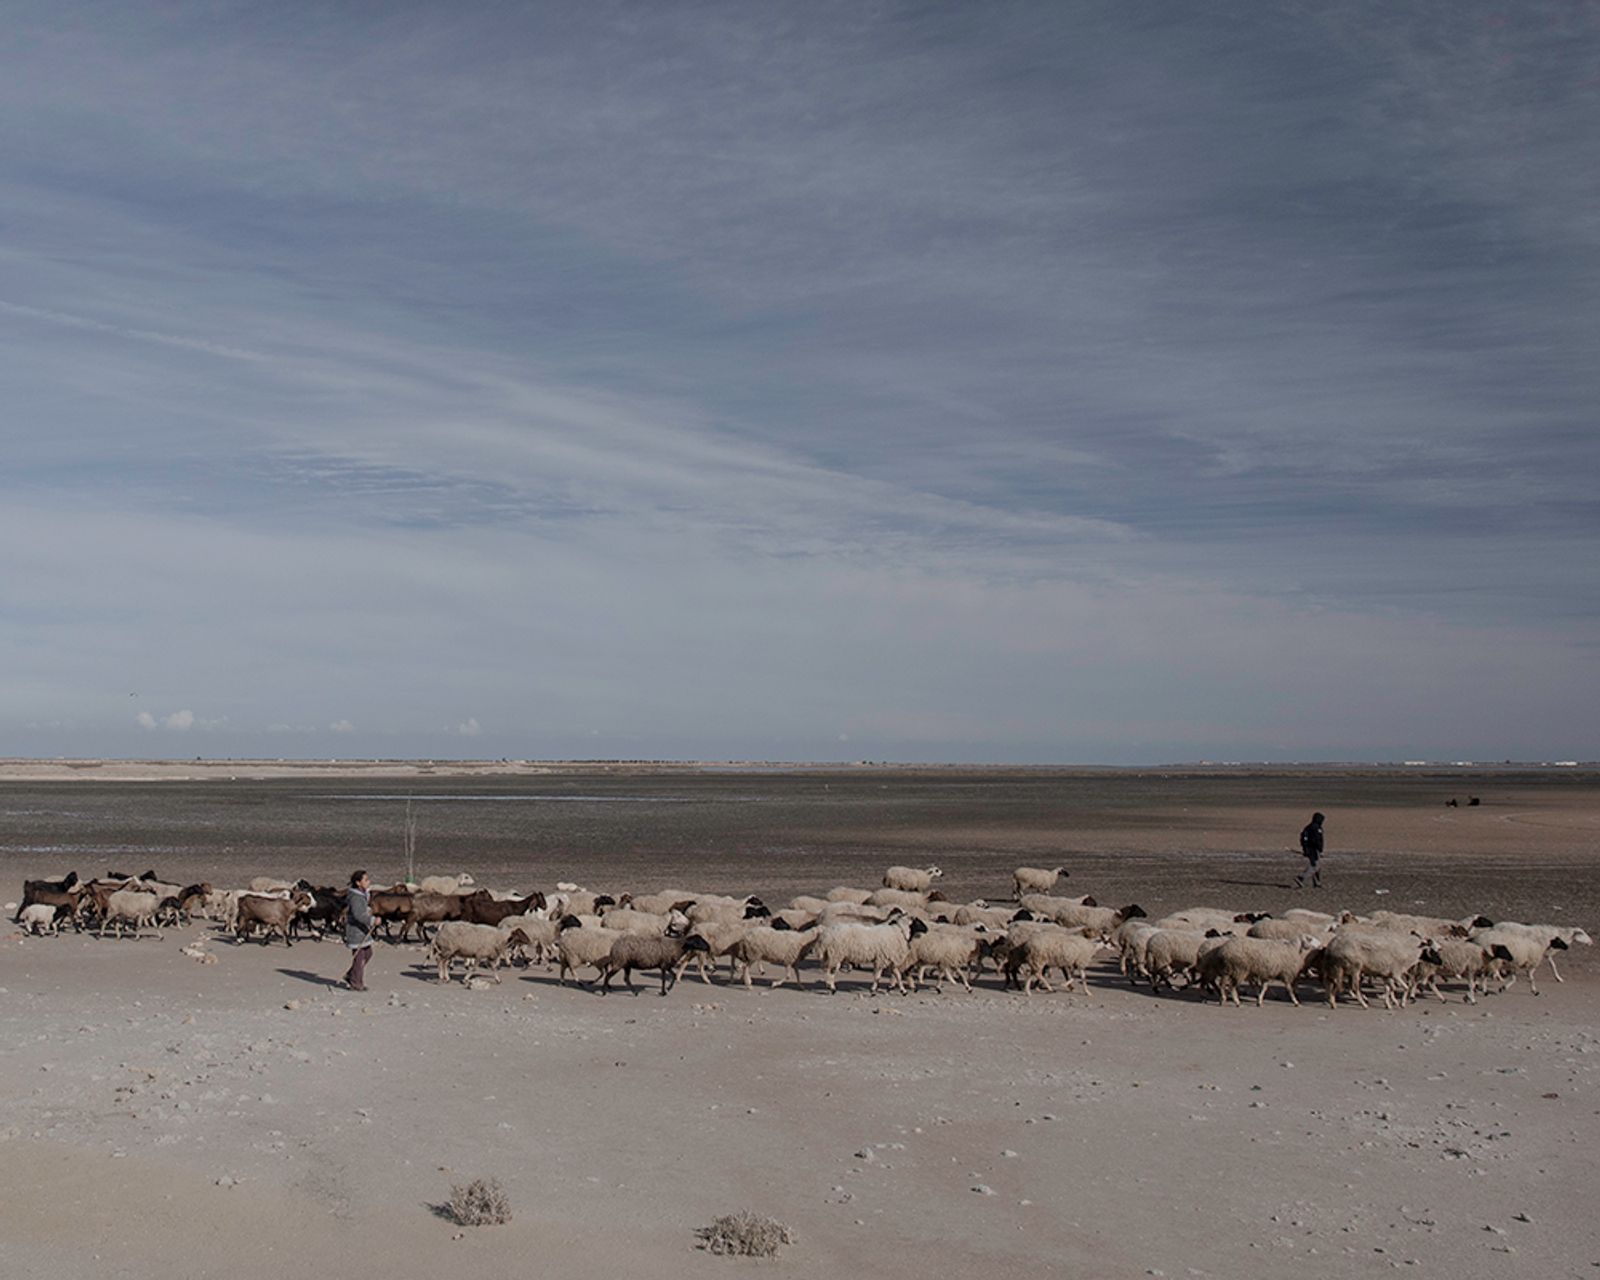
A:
(1452, 803)
(1473, 802)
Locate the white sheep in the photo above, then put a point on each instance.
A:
(1130, 938)
(1356, 952)
(138, 909)
(729, 909)
(720, 937)
(949, 949)
(844, 893)
(1035, 880)
(981, 913)
(763, 945)
(658, 903)
(853, 913)
(539, 930)
(905, 899)
(1172, 951)
(911, 879)
(1318, 919)
(38, 918)
(583, 946)
(1550, 937)
(794, 917)
(583, 902)
(475, 943)
(445, 884)
(1045, 905)
(878, 946)
(1285, 930)
(1203, 918)
(1459, 958)
(1104, 920)
(1054, 947)
(1434, 927)
(1240, 960)
(646, 923)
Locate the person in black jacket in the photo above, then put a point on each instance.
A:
(1311, 851)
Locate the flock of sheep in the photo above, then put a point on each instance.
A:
(903, 932)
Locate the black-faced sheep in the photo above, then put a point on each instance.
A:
(1550, 937)
(1355, 953)
(636, 951)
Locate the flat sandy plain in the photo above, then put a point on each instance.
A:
(165, 1118)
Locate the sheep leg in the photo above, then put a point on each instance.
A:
(1532, 980)
(1552, 958)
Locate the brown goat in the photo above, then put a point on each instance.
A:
(271, 914)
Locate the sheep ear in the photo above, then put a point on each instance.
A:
(1559, 944)
(1503, 952)
(1090, 902)
(1483, 922)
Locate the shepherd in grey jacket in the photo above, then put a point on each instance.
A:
(358, 931)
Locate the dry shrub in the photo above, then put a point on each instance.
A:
(746, 1235)
(481, 1202)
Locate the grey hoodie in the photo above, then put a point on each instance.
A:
(358, 927)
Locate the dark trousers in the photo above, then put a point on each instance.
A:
(1313, 871)
(356, 976)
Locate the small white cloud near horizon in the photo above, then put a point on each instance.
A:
(469, 728)
(341, 726)
(178, 721)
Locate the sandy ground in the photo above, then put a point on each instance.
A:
(165, 1118)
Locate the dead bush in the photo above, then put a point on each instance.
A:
(481, 1202)
(747, 1235)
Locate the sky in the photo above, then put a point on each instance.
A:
(1057, 382)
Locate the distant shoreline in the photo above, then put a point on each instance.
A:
(119, 770)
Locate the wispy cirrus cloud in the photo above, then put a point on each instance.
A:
(768, 384)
